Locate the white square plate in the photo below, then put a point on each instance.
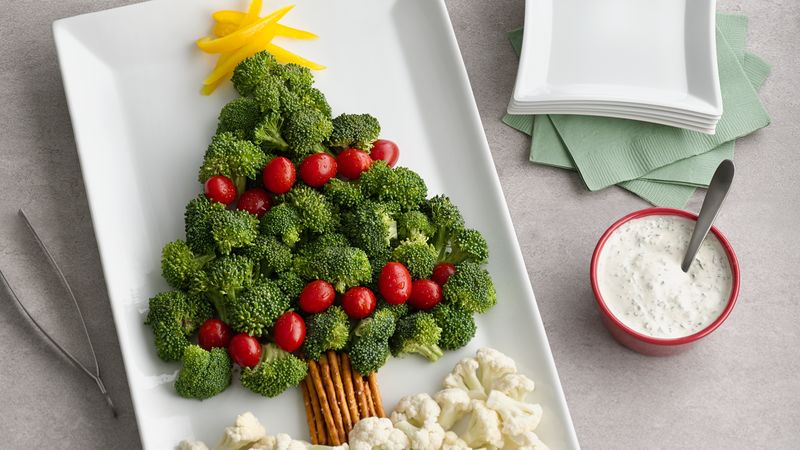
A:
(132, 78)
(654, 52)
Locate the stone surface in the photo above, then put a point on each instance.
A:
(739, 389)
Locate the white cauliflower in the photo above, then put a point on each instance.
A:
(453, 442)
(515, 385)
(245, 432)
(483, 429)
(426, 436)
(465, 377)
(419, 409)
(374, 433)
(518, 417)
(525, 441)
(493, 365)
(454, 403)
(193, 445)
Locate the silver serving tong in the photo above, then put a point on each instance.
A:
(94, 376)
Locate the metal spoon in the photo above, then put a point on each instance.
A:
(717, 191)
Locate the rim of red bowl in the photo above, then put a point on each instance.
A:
(734, 263)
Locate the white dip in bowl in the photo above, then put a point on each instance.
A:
(641, 282)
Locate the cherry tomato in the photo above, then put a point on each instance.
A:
(317, 296)
(394, 283)
(352, 162)
(386, 150)
(442, 273)
(220, 189)
(289, 331)
(255, 201)
(214, 333)
(425, 294)
(318, 169)
(245, 350)
(359, 302)
(279, 175)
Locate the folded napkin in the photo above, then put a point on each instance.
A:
(666, 183)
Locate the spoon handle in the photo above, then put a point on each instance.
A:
(717, 191)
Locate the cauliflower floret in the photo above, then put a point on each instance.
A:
(515, 385)
(493, 365)
(427, 436)
(484, 427)
(454, 403)
(374, 433)
(419, 410)
(518, 417)
(246, 430)
(453, 442)
(465, 377)
(525, 441)
(283, 441)
(193, 445)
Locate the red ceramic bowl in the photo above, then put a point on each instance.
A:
(642, 343)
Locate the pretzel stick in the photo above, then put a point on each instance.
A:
(333, 435)
(320, 425)
(376, 395)
(336, 375)
(361, 396)
(312, 426)
(330, 391)
(347, 375)
(368, 397)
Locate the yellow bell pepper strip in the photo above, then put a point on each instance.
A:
(253, 47)
(223, 29)
(240, 37)
(294, 33)
(253, 12)
(209, 89)
(285, 56)
(228, 16)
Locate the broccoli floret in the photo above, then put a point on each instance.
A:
(250, 72)
(369, 346)
(174, 316)
(257, 308)
(376, 180)
(305, 129)
(267, 132)
(269, 255)
(268, 94)
(315, 211)
(398, 311)
(276, 372)
(199, 213)
(282, 221)
(226, 277)
(468, 245)
(458, 326)
(240, 116)
(204, 373)
(401, 185)
(290, 284)
(295, 77)
(371, 227)
(418, 256)
(417, 333)
(470, 288)
(354, 130)
(325, 331)
(316, 98)
(345, 194)
(447, 220)
(414, 225)
(235, 158)
(343, 267)
(319, 243)
(179, 264)
(233, 229)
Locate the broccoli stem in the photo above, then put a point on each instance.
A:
(241, 183)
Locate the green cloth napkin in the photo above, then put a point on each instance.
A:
(672, 184)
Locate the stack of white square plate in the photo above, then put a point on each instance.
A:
(653, 61)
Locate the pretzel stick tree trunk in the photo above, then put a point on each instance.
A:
(336, 375)
(330, 392)
(347, 376)
(312, 426)
(333, 435)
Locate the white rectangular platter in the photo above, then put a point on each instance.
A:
(132, 78)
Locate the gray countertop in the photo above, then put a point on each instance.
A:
(739, 389)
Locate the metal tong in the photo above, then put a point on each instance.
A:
(93, 375)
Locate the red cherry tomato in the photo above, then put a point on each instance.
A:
(255, 201)
(352, 162)
(220, 189)
(359, 302)
(318, 169)
(279, 175)
(442, 273)
(425, 294)
(289, 331)
(245, 350)
(394, 283)
(386, 150)
(317, 296)
(214, 333)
